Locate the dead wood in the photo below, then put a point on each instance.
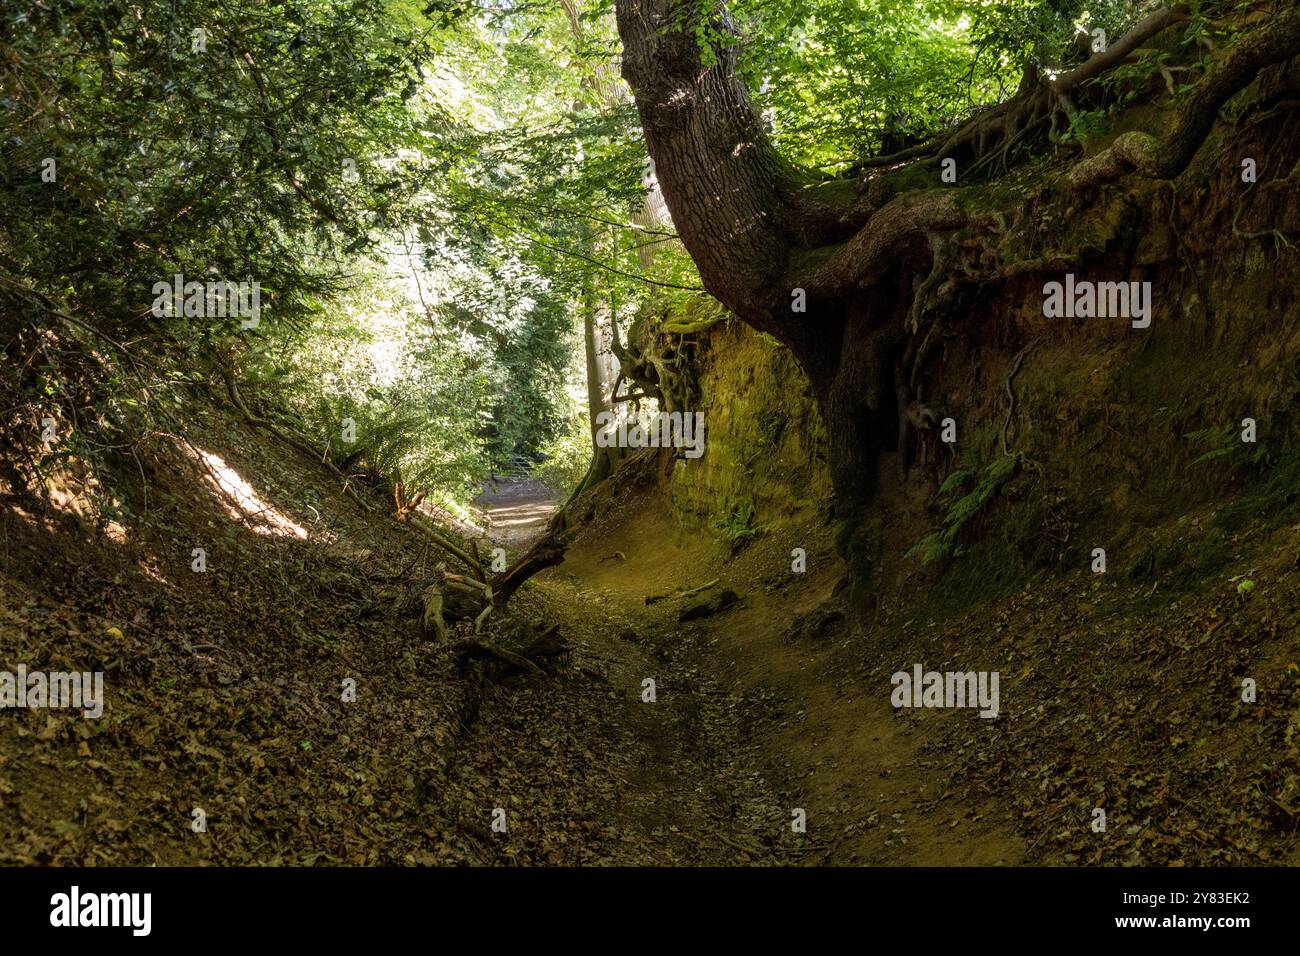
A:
(476, 648)
(655, 598)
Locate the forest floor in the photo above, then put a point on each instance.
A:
(275, 707)
(591, 771)
(229, 734)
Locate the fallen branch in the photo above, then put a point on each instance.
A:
(655, 598)
(477, 648)
(407, 514)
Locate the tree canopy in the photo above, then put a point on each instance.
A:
(431, 196)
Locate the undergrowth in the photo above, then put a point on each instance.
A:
(945, 542)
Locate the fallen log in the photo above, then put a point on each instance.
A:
(496, 590)
(545, 552)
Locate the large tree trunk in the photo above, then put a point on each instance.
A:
(721, 179)
(734, 203)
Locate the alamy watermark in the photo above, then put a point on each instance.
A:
(1101, 300)
(660, 430)
(75, 908)
(79, 690)
(216, 299)
(923, 688)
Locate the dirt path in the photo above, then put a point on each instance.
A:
(755, 717)
(517, 510)
(745, 728)
(597, 772)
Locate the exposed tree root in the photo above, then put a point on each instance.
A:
(1143, 153)
(476, 648)
(528, 659)
(1280, 241)
(1011, 395)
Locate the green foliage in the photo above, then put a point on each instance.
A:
(1085, 125)
(364, 360)
(838, 77)
(956, 480)
(847, 78)
(1223, 441)
(219, 155)
(737, 524)
(217, 162)
(433, 328)
(1129, 79)
(1020, 33)
(944, 543)
(566, 455)
(1270, 476)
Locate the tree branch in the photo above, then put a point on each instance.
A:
(1141, 152)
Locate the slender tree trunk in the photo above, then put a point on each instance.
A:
(599, 391)
(603, 460)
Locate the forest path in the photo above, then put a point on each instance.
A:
(746, 725)
(516, 510)
(588, 767)
(783, 723)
